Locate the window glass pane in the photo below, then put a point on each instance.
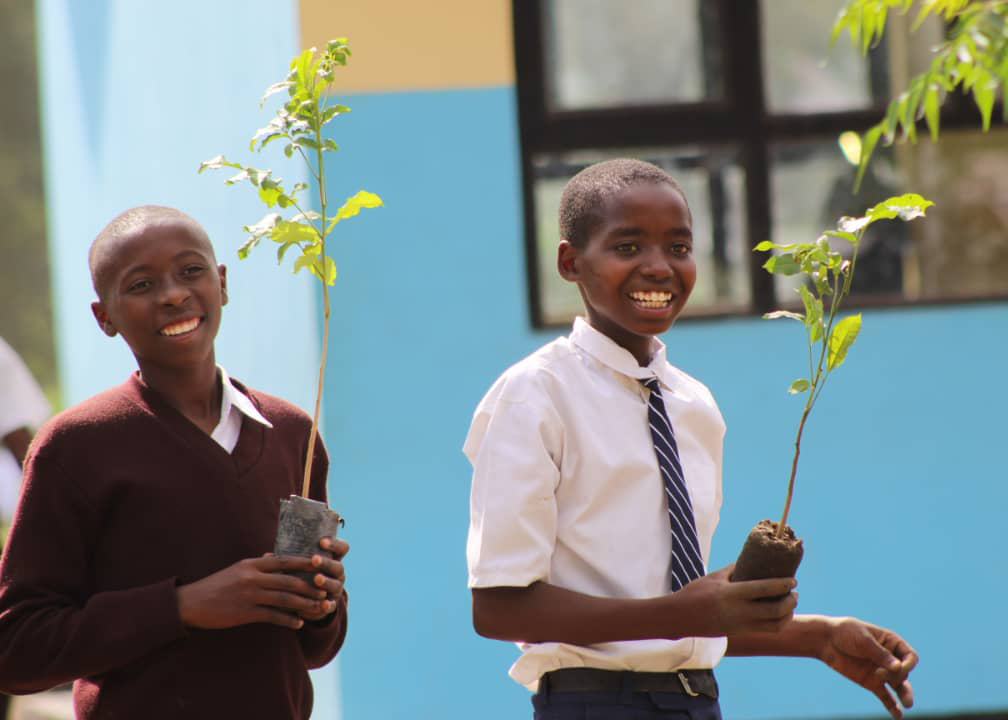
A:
(607, 53)
(802, 73)
(959, 251)
(714, 187)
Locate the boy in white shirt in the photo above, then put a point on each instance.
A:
(571, 550)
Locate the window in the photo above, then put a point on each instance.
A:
(743, 102)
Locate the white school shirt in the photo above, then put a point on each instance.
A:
(566, 489)
(234, 404)
(22, 404)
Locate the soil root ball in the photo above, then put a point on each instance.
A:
(764, 555)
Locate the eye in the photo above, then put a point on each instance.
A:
(191, 270)
(682, 249)
(626, 248)
(139, 286)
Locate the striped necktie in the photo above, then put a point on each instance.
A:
(686, 563)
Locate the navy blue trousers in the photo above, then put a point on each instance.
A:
(624, 706)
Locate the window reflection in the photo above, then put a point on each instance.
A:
(959, 251)
(606, 53)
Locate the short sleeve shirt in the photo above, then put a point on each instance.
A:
(566, 489)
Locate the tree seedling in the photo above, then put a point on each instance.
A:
(772, 550)
(298, 126)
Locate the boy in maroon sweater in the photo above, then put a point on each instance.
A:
(137, 564)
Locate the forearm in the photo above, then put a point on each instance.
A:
(48, 641)
(547, 613)
(802, 636)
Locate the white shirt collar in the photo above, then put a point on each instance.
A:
(605, 350)
(232, 397)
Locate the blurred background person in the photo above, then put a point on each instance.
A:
(23, 407)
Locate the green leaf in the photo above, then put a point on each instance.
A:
(218, 161)
(264, 226)
(905, 207)
(813, 313)
(841, 338)
(842, 235)
(783, 264)
(868, 143)
(274, 89)
(983, 95)
(322, 268)
(798, 386)
(931, 110)
(332, 111)
(353, 205)
(764, 246)
(303, 261)
(290, 231)
(854, 224)
(784, 314)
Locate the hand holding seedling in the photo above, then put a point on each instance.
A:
(251, 591)
(329, 577)
(721, 607)
(827, 276)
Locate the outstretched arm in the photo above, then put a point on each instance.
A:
(877, 659)
(710, 606)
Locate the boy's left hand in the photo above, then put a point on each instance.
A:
(874, 658)
(330, 577)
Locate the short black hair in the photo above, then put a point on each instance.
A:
(127, 223)
(585, 195)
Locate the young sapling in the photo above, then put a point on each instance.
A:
(298, 124)
(772, 549)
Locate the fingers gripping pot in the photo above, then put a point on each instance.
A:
(303, 523)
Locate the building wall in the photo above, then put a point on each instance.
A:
(431, 306)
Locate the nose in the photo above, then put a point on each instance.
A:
(656, 265)
(172, 292)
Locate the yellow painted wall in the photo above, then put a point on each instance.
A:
(415, 44)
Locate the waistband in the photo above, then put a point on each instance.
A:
(684, 682)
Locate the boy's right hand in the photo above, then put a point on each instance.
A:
(727, 608)
(251, 591)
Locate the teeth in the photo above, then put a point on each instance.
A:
(179, 328)
(652, 299)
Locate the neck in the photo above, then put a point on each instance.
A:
(194, 392)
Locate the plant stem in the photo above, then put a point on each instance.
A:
(794, 470)
(320, 178)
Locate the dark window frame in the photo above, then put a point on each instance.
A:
(740, 119)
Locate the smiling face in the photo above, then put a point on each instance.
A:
(636, 270)
(160, 287)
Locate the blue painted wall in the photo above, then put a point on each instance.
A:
(431, 307)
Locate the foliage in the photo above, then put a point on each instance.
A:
(973, 58)
(298, 123)
(826, 280)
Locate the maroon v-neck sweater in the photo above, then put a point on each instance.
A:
(125, 499)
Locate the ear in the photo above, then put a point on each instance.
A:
(98, 310)
(567, 261)
(222, 272)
